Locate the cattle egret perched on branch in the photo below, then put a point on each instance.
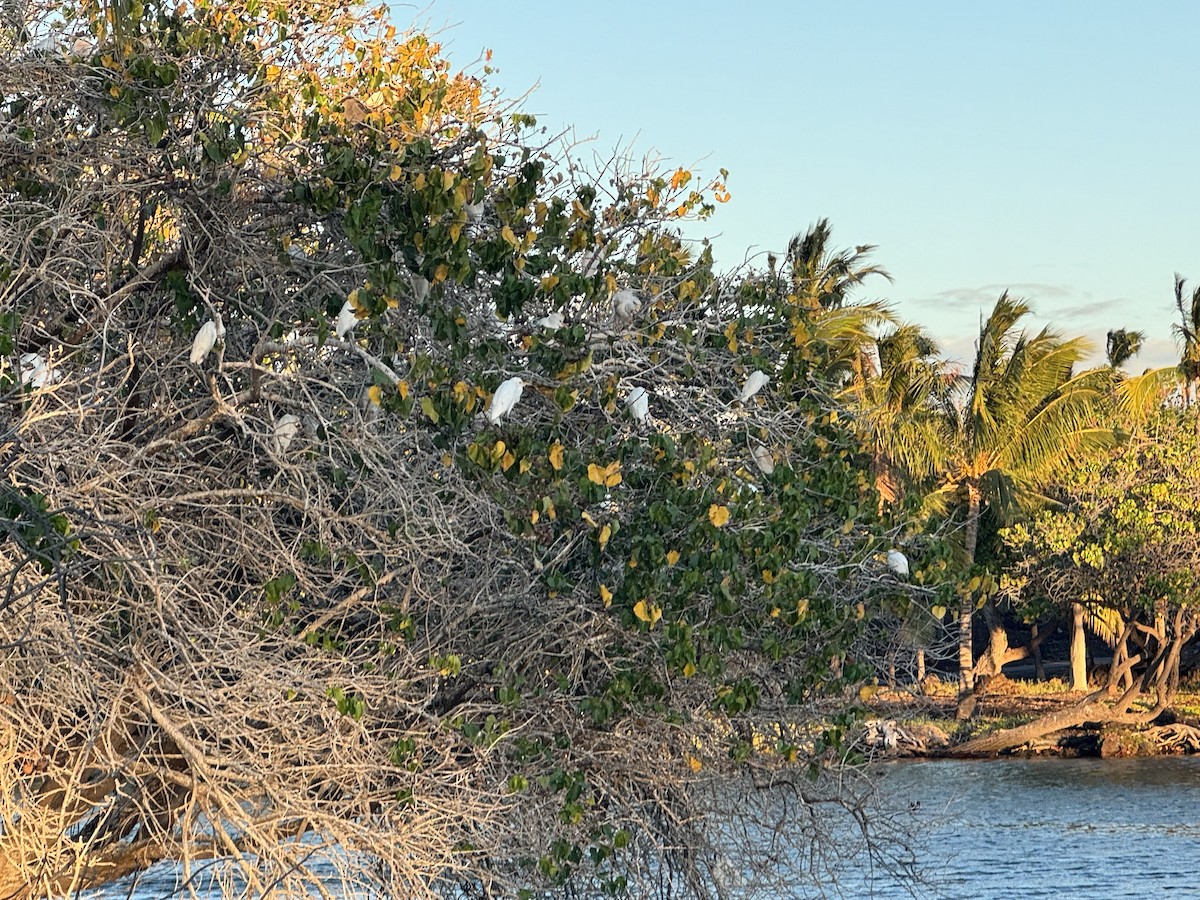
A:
(36, 371)
(552, 321)
(626, 305)
(346, 320)
(898, 563)
(755, 383)
(286, 429)
(205, 340)
(638, 404)
(505, 399)
(420, 286)
(763, 459)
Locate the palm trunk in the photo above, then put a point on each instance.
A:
(1078, 650)
(967, 610)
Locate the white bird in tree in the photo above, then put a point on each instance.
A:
(897, 562)
(420, 286)
(755, 383)
(626, 305)
(36, 371)
(205, 340)
(474, 210)
(763, 459)
(638, 404)
(286, 429)
(505, 399)
(552, 321)
(346, 320)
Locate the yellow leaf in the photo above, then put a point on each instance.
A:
(689, 669)
(718, 515)
(498, 450)
(605, 476)
(419, 182)
(395, 174)
(556, 456)
(769, 576)
(680, 178)
(402, 388)
(587, 517)
(672, 557)
(509, 238)
(534, 515)
(428, 409)
(525, 466)
(606, 596)
(549, 283)
(652, 196)
(605, 534)
(610, 282)
(694, 764)
(455, 231)
(731, 336)
(375, 394)
(938, 612)
(867, 691)
(649, 613)
(440, 273)
(507, 462)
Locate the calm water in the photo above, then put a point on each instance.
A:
(1017, 829)
(1051, 828)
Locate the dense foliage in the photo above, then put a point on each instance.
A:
(286, 587)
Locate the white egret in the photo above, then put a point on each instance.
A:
(897, 562)
(755, 383)
(36, 371)
(505, 399)
(205, 340)
(638, 404)
(420, 286)
(626, 305)
(553, 321)
(763, 459)
(346, 320)
(286, 429)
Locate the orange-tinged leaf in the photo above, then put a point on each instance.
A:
(605, 476)
(680, 178)
(375, 394)
(534, 515)
(649, 613)
(672, 557)
(718, 515)
(556, 456)
(694, 764)
(507, 461)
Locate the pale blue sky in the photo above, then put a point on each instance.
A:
(1048, 147)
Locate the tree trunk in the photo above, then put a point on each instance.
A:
(1078, 649)
(966, 673)
(1039, 668)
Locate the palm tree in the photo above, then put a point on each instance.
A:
(1188, 330)
(821, 277)
(899, 392)
(1122, 346)
(1024, 414)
